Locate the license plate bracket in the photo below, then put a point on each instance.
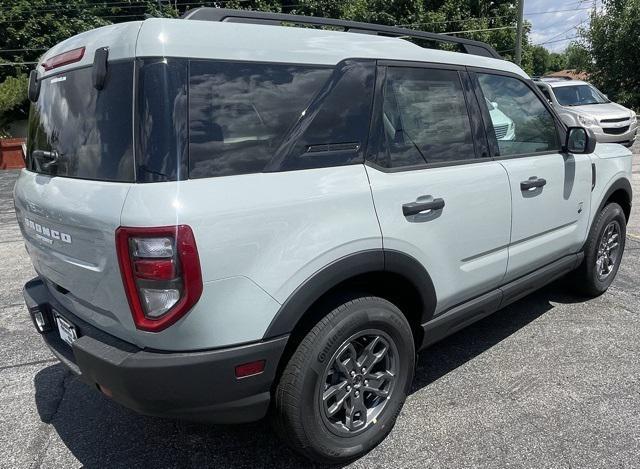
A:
(67, 331)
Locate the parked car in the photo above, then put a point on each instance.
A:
(224, 226)
(580, 103)
(502, 124)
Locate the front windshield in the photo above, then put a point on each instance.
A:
(578, 95)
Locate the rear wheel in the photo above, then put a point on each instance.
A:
(603, 251)
(344, 386)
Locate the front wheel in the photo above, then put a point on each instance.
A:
(603, 251)
(344, 386)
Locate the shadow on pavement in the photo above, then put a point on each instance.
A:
(100, 433)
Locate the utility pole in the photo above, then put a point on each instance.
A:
(519, 31)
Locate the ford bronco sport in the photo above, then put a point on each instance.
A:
(230, 218)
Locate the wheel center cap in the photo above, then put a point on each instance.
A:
(357, 380)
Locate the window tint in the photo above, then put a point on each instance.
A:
(334, 128)
(240, 112)
(162, 120)
(424, 118)
(90, 130)
(522, 124)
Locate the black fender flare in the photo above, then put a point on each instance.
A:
(621, 183)
(345, 268)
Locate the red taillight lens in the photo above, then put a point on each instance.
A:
(66, 58)
(161, 273)
(157, 269)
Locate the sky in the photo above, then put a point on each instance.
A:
(554, 22)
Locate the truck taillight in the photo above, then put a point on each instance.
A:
(161, 273)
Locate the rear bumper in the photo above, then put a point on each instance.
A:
(191, 385)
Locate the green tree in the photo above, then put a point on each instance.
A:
(577, 57)
(556, 62)
(612, 43)
(540, 60)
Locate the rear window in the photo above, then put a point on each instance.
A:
(88, 131)
(240, 112)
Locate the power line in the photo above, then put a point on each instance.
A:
(548, 12)
(120, 5)
(479, 30)
(25, 49)
(558, 40)
(575, 26)
(12, 64)
(453, 21)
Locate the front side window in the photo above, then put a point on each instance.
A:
(424, 118)
(240, 112)
(578, 95)
(521, 122)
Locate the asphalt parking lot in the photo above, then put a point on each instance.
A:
(551, 381)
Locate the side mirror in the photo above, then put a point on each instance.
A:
(580, 140)
(494, 104)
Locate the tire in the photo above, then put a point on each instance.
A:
(588, 279)
(301, 416)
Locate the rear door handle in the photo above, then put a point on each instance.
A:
(414, 208)
(532, 183)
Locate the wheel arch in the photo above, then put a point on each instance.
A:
(619, 192)
(392, 275)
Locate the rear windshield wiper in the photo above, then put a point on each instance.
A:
(47, 158)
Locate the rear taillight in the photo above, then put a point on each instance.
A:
(66, 58)
(161, 273)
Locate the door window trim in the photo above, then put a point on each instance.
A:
(478, 133)
(561, 128)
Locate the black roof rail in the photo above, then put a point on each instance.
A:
(258, 17)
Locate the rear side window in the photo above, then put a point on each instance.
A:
(88, 132)
(424, 118)
(521, 123)
(161, 146)
(239, 113)
(335, 126)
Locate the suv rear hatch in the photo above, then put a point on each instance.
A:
(80, 167)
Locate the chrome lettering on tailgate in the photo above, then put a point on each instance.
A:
(47, 234)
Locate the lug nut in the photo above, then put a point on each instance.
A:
(364, 370)
(348, 388)
(353, 373)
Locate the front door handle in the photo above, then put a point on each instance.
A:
(414, 208)
(532, 183)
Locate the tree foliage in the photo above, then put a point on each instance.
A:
(543, 61)
(577, 57)
(612, 39)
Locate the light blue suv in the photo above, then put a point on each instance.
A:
(230, 218)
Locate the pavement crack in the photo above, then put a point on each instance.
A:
(56, 406)
(35, 362)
